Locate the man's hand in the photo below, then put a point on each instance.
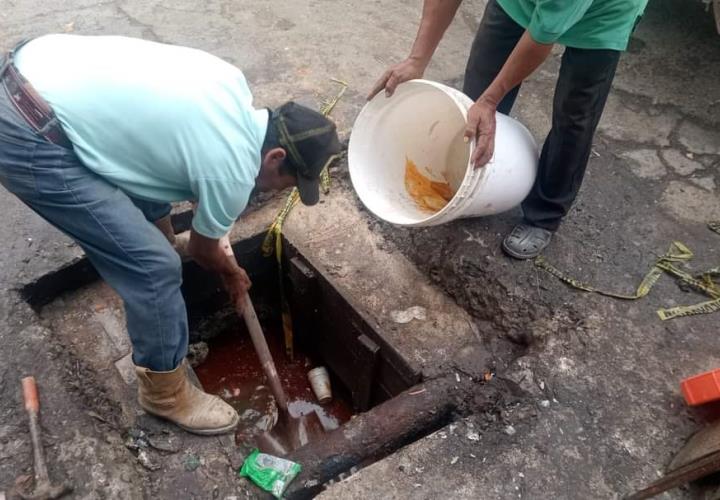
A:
(436, 17)
(409, 69)
(481, 127)
(217, 255)
(524, 59)
(237, 285)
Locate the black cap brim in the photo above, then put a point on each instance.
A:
(309, 190)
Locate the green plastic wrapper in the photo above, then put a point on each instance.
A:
(271, 473)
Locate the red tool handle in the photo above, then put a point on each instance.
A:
(30, 394)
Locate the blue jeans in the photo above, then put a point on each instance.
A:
(113, 229)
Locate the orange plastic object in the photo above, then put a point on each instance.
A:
(701, 388)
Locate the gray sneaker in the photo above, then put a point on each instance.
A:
(526, 241)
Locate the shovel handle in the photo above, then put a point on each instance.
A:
(258, 340)
(30, 394)
(263, 352)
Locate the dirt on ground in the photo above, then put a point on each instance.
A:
(581, 398)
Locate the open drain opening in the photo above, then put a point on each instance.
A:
(370, 379)
(233, 371)
(327, 329)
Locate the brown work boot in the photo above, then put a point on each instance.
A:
(170, 395)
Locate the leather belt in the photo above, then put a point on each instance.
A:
(31, 106)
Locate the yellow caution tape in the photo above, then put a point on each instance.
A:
(273, 235)
(327, 107)
(714, 225)
(677, 253)
(685, 278)
(273, 238)
(708, 307)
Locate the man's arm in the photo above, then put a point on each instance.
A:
(523, 61)
(436, 17)
(208, 252)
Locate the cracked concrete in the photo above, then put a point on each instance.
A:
(592, 401)
(691, 203)
(624, 122)
(682, 164)
(698, 139)
(645, 163)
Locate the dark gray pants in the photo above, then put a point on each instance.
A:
(580, 94)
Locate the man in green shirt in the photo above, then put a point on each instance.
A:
(514, 38)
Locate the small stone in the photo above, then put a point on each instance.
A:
(454, 460)
(545, 403)
(409, 314)
(510, 430)
(145, 460)
(167, 444)
(473, 436)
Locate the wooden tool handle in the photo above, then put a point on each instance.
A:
(30, 394)
(258, 338)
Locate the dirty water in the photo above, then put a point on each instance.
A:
(429, 195)
(232, 370)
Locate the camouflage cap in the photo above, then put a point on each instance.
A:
(310, 140)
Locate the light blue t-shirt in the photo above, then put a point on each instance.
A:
(163, 123)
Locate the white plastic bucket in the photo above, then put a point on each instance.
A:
(425, 122)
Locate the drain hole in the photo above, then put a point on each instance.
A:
(232, 370)
(369, 377)
(328, 330)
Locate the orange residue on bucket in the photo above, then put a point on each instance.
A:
(429, 195)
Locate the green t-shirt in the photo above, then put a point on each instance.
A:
(583, 24)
